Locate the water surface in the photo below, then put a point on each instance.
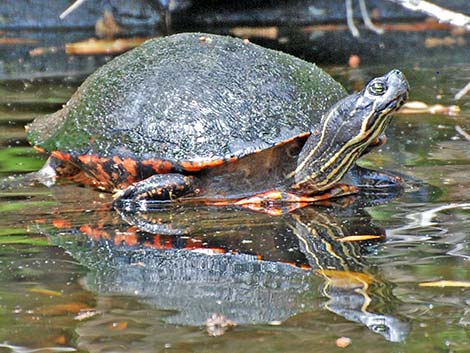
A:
(76, 276)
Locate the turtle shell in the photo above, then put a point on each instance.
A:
(197, 98)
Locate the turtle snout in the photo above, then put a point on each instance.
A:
(398, 80)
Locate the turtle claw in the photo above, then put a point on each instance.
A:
(124, 194)
(130, 200)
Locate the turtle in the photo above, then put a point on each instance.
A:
(196, 116)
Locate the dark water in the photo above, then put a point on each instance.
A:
(296, 283)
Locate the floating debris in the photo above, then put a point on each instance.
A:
(218, 324)
(44, 50)
(118, 325)
(448, 41)
(354, 61)
(62, 309)
(445, 283)
(258, 32)
(87, 314)
(462, 92)
(343, 342)
(94, 46)
(17, 41)
(205, 39)
(48, 292)
(417, 107)
(462, 132)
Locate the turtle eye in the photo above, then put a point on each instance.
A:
(377, 88)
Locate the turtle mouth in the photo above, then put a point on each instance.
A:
(397, 103)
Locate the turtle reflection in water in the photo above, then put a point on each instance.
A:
(247, 267)
(221, 120)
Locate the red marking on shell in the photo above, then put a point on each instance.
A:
(39, 149)
(159, 243)
(61, 223)
(293, 138)
(99, 172)
(193, 243)
(94, 233)
(94, 164)
(128, 164)
(290, 263)
(159, 166)
(194, 166)
(61, 155)
(89, 159)
(128, 239)
(305, 267)
(131, 166)
(83, 178)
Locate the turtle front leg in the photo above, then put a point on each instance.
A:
(368, 179)
(162, 187)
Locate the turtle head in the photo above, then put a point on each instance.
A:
(346, 130)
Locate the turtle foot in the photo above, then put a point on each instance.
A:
(159, 187)
(277, 203)
(367, 179)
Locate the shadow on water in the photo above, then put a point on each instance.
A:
(233, 266)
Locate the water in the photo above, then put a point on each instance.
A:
(75, 276)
